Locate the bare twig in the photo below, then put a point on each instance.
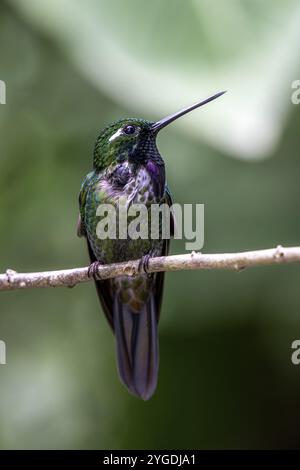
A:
(12, 280)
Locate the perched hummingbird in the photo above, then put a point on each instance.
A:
(128, 166)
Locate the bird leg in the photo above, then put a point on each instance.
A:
(144, 265)
(93, 270)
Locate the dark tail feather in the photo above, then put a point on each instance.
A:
(137, 347)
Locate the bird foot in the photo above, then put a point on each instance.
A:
(144, 265)
(93, 270)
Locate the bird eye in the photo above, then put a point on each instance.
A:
(129, 130)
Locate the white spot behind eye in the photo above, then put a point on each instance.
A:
(115, 135)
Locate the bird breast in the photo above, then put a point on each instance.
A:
(136, 186)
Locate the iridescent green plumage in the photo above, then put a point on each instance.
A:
(128, 170)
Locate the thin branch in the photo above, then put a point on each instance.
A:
(12, 280)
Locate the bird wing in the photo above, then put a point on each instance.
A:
(103, 287)
(159, 281)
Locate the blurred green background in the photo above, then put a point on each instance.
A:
(226, 378)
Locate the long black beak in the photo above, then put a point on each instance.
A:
(157, 126)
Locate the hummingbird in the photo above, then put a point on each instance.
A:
(127, 166)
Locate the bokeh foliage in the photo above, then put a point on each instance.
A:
(226, 379)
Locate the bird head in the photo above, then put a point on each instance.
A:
(134, 140)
